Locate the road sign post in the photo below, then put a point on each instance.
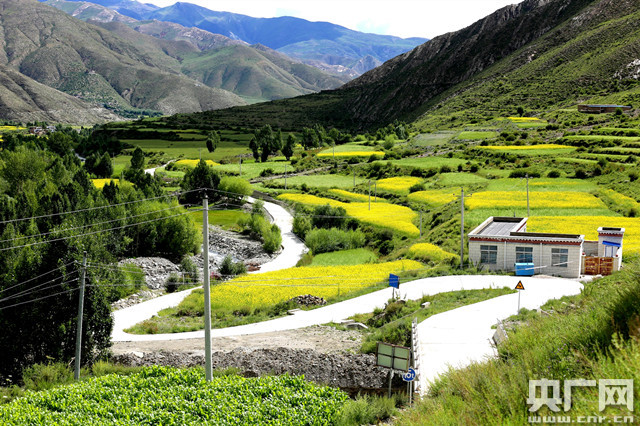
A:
(394, 283)
(519, 287)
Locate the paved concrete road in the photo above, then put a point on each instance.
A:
(459, 337)
(293, 249)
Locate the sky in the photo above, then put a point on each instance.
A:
(402, 18)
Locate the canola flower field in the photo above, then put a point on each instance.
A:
(270, 288)
(386, 215)
(398, 184)
(351, 154)
(433, 197)
(351, 196)
(537, 199)
(100, 183)
(588, 226)
(428, 252)
(193, 163)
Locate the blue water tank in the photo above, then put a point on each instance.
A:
(525, 269)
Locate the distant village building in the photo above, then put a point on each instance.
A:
(601, 109)
(503, 244)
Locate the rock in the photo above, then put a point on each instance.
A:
(308, 300)
(293, 311)
(348, 371)
(426, 304)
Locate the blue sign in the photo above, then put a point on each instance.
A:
(394, 281)
(409, 376)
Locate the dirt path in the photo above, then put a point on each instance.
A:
(323, 339)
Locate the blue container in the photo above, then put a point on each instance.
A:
(525, 269)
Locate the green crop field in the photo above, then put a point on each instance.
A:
(458, 179)
(476, 135)
(251, 170)
(432, 139)
(428, 162)
(344, 257)
(322, 181)
(164, 395)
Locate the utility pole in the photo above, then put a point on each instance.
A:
(76, 374)
(207, 290)
(240, 164)
(528, 211)
(369, 194)
(285, 176)
(461, 227)
(421, 224)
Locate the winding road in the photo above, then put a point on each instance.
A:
(450, 339)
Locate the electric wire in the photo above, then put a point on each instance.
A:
(35, 278)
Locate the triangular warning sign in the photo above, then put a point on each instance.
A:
(519, 286)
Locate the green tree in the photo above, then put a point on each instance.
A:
(287, 149)
(235, 188)
(137, 159)
(309, 138)
(213, 140)
(266, 142)
(200, 177)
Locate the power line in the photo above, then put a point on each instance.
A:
(93, 232)
(35, 288)
(89, 225)
(39, 276)
(98, 207)
(38, 299)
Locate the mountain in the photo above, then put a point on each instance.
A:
(255, 73)
(24, 100)
(539, 54)
(95, 65)
(321, 43)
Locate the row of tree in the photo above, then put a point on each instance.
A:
(42, 245)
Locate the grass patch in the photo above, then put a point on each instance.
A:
(321, 181)
(393, 323)
(476, 135)
(593, 339)
(344, 257)
(428, 162)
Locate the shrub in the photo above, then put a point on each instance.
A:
(301, 225)
(235, 188)
(38, 377)
(328, 217)
(272, 240)
(173, 282)
(553, 174)
(267, 172)
(189, 269)
(417, 187)
(230, 268)
(327, 240)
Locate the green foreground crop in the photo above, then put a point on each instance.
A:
(163, 395)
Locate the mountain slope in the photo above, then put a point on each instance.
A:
(540, 54)
(255, 73)
(311, 42)
(95, 65)
(24, 100)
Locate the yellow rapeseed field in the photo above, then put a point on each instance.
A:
(538, 199)
(523, 119)
(267, 289)
(352, 154)
(386, 215)
(193, 163)
(100, 183)
(588, 226)
(351, 196)
(433, 197)
(621, 200)
(429, 253)
(398, 184)
(525, 147)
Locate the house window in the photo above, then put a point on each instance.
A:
(524, 254)
(559, 257)
(489, 255)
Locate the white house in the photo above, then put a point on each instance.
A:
(503, 244)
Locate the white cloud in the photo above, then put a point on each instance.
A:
(403, 18)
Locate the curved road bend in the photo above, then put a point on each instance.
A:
(288, 257)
